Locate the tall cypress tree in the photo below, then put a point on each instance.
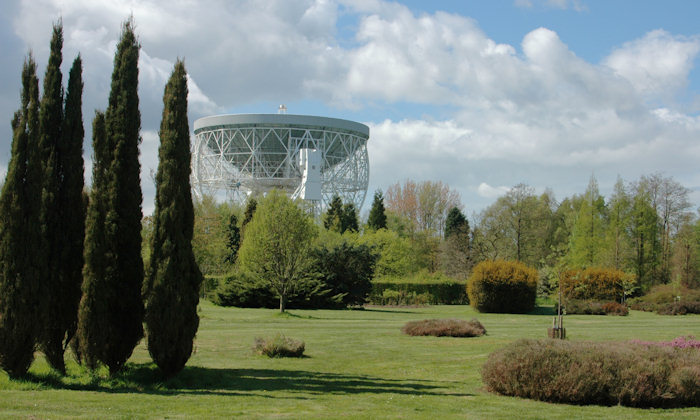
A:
(117, 330)
(233, 239)
(52, 228)
(172, 290)
(377, 215)
(92, 307)
(20, 235)
(333, 219)
(71, 203)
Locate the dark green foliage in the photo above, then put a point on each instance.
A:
(244, 291)
(445, 328)
(72, 202)
(595, 373)
(377, 215)
(347, 270)
(172, 291)
(349, 221)
(233, 239)
(591, 307)
(333, 219)
(249, 212)
(118, 305)
(92, 309)
(456, 223)
(439, 293)
(502, 287)
(21, 294)
(55, 323)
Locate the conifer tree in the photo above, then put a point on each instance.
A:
(377, 215)
(455, 223)
(49, 251)
(91, 311)
(249, 212)
(120, 327)
(348, 221)
(71, 201)
(333, 219)
(233, 239)
(20, 235)
(172, 291)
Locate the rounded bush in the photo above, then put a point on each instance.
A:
(601, 284)
(445, 328)
(502, 287)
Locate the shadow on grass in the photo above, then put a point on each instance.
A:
(543, 310)
(146, 378)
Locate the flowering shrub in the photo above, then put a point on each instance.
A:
(594, 283)
(629, 374)
(678, 342)
(445, 328)
(502, 287)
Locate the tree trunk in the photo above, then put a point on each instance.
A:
(283, 303)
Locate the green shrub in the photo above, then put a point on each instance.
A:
(502, 286)
(401, 297)
(668, 299)
(279, 346)
(590, 307)
(445, 328)
(629, 374)
(241, 290)
(435, 293)
(346, 269)
(601, 284)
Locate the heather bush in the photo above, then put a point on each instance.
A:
(445, 328)
(601, 284)
(679, 308)
(502, 286)
(279, 346)
(615, 308)
(678, 342)
(629, 374)
(591, 307)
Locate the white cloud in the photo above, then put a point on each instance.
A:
(657, 64)
(487, 191)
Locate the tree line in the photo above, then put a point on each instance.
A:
(71, 266)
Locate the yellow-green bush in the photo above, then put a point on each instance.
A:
(601, 284)
(502, 286)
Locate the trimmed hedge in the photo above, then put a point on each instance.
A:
(451, 293)
(502, 287)
(601, 284)
(629, 374)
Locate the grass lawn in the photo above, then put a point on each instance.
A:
(358, 365)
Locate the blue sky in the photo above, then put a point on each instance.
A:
(481, 95)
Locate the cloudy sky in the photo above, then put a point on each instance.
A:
(480, 95)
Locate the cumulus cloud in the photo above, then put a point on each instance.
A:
(492, 114)
(656, 64)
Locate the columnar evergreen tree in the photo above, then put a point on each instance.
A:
(233, 239)
(249, 212)
(172, 289)
(455, 223)
(49, 251)
(71, 202)
(377, 215)
(21, 291)
(120, 328)
(92, 309)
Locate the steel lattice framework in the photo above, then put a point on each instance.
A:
(243, 154)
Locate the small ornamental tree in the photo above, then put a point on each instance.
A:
(377, 215)
(502, 287)
(172, 289)
(21, 291)
(333, 219)
(277, 245)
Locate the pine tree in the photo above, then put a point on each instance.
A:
(233, 239)
(348, 221)
(49, 251)
(377, 215)
(21, 291)
(72, 202)
(172, 291)
(333, 219)
(120, 328)
(92, 310)
(455, 223)
(249, 212)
